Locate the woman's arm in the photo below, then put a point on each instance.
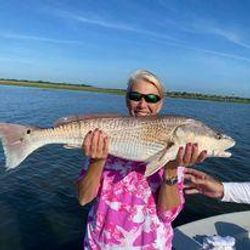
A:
(95, 146)
(169, 194)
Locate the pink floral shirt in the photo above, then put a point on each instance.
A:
(125, 213)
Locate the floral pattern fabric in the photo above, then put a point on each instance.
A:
(125, 213)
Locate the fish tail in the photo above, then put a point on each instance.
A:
(16, 146)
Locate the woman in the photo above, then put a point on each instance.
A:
(131, 211)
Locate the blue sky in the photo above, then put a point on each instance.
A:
(192, 45)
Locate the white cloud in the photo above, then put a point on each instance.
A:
(230, 36)
(207, 51)
(111, 25)
(37, 38)
(197, 25)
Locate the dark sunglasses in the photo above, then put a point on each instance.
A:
(150, 98)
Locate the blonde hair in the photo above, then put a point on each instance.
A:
(146, 76)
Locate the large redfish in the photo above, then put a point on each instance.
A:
(154, 140)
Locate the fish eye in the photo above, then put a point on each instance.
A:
(219, 136)
(28, 131)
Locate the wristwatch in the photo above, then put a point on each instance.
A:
(171, 181)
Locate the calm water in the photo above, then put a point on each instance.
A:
(38, 206)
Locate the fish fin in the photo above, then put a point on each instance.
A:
(160, 159)
(77, 118)
(15, 147)
(70, 146)
(153, 166)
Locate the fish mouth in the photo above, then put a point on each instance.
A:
(227, 154)
(231, 144)
(229, 141)
(224, 154)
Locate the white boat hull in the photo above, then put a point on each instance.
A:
(190, 236)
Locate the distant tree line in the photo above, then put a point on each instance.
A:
(42, 82)
(200, 96)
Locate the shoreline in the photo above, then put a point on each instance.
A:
(83, 87)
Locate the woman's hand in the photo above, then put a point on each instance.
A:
(188, 156)
(203, 183)
(96, 145)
